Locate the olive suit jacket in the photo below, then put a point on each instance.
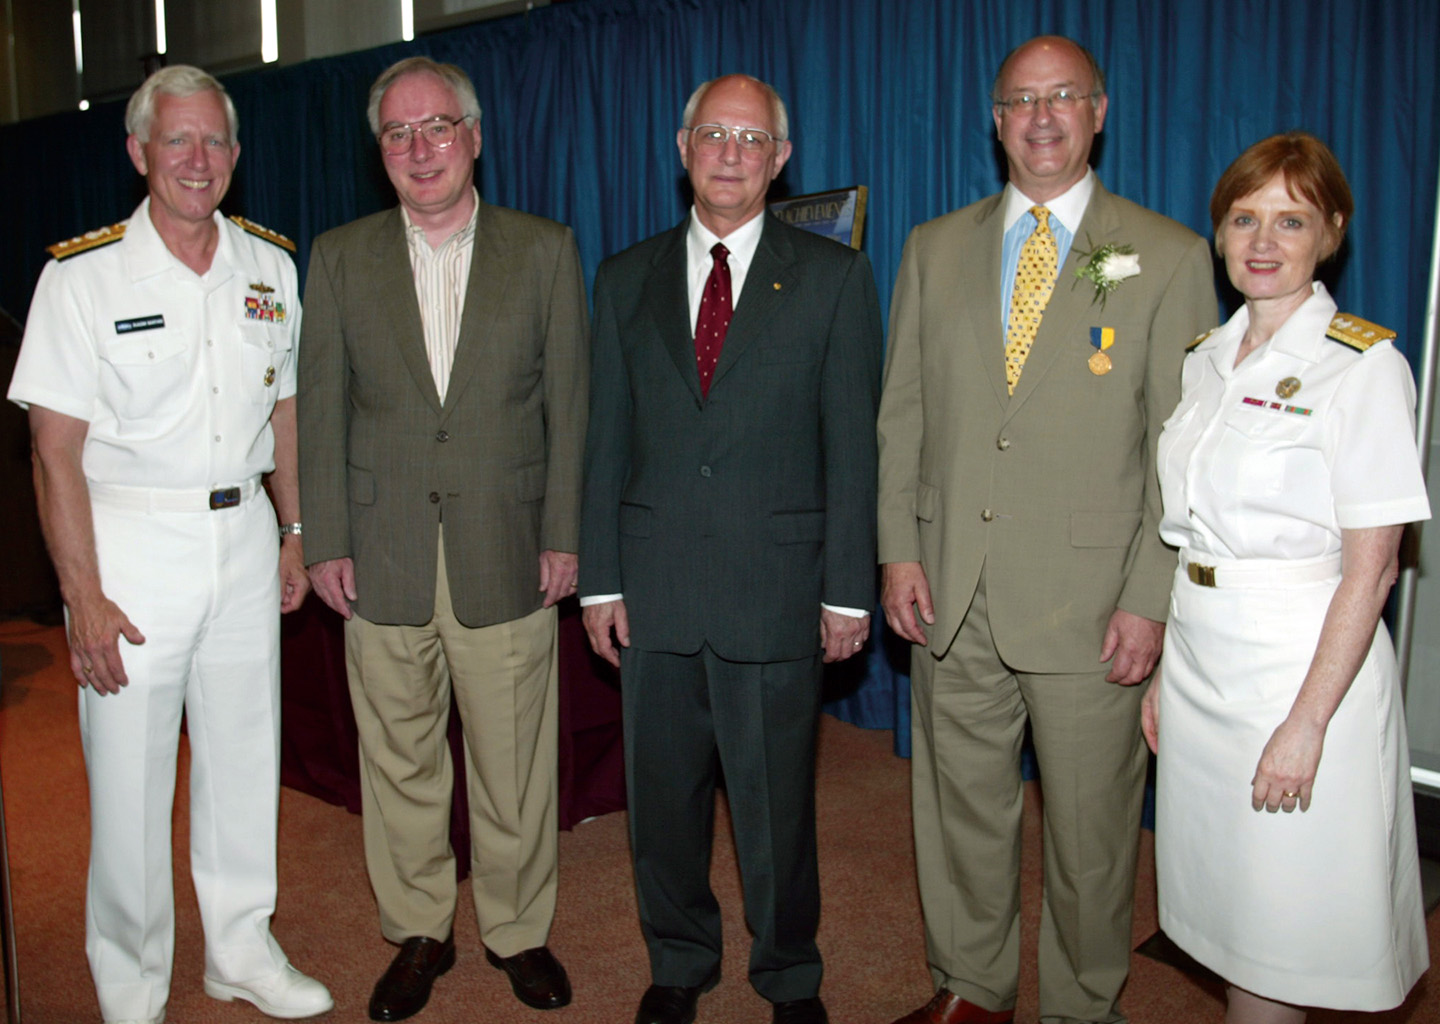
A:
(383, 461)
(1052, 490)
(728, 520)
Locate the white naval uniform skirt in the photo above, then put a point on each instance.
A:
(1320, 908)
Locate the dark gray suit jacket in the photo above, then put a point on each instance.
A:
(729, 520)
(383, 462)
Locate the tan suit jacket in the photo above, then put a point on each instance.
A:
(1052, 489)
(383, 461)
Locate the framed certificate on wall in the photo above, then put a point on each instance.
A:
(837, 214)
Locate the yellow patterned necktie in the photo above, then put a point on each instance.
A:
(1034, 281)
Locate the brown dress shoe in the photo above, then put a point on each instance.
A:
(536, 977)
(404, 988)
(948, 1008)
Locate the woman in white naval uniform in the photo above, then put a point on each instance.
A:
(1288, 470)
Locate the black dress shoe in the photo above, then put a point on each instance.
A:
(673, 1004)
(404, 988)
(801, 1011)
(668, 1004)
(536, 976)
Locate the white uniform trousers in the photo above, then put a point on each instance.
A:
(203, 587)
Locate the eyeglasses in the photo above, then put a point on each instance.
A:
(714, 136)
(438, 133)
(1059, 102)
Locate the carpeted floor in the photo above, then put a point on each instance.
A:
(870, 934)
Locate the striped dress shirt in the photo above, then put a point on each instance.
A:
(441, 278)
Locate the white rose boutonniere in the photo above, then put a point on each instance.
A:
(1105, 267)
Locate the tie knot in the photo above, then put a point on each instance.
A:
(719, 251)
(1042, 217)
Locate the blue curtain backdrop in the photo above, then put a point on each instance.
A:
(582, 101)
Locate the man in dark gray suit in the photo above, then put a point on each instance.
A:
(442, 409)
(729, 491)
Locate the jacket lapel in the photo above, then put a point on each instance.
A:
(394, 277)
(485, 291)
(981, 277)
(667, 304)
(1071, 301)
(768, 283)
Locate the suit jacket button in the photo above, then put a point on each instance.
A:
(704, 470)
(442, 436)
(1003, 444)
(987, 515)
(434, 498)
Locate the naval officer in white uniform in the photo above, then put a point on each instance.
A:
(1288, 470)
(158, 367)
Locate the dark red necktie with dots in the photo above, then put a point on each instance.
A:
(714, 319)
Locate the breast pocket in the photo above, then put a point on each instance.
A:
(265, 352)
(1178, 438)
(1255, 447)
(145, 376)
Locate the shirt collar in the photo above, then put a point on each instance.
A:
(742, 242)
(1068, 207)
(148, 254)
(415, 235)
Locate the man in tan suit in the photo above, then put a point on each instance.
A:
(443, 381)
(1021, 527)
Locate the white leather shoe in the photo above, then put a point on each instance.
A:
(288, 995)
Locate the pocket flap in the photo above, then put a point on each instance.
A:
(927, 502)
(1103, 529)
(146, 348)
(530, 482)
(362, 485)
(636, 520)
(806, 527)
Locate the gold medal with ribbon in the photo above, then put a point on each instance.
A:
(1101, 338)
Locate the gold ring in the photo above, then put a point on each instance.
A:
(1290, 796)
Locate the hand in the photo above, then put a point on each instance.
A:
(842, 635)
(1150, 715)
(904, 589)
(94, 631)
(294, 582)
(1134, 642)
(559, 573)
(599, 620)
(1285, 775)
(334, 581)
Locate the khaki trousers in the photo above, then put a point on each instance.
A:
(505, 681)
(969, 710)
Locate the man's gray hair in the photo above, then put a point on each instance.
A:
(180, 80)
(453, 76)
(778, 115)
(1097, 76)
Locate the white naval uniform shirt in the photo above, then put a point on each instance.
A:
(175, 372)
(1246, 473)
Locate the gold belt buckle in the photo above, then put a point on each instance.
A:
(1202, 575)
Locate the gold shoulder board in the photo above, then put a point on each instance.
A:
(1358, 334)
(273, 237)
(89, 240)
(1200, 337)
